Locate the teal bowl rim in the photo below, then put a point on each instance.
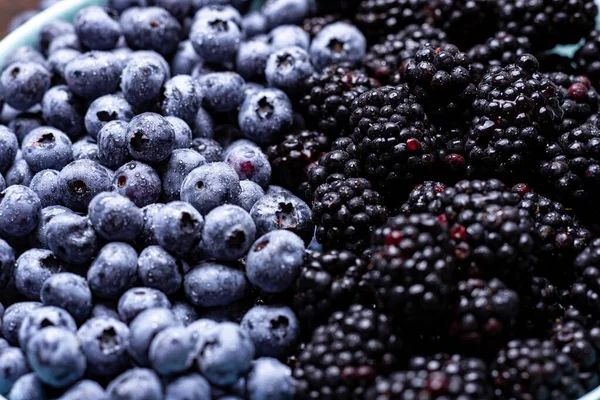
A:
(27, 33)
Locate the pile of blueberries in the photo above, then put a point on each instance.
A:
(136, 214)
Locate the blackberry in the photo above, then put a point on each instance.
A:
(329, 96)
(384, 58)
(500, 50)
(548, 23)
(345, 212)
(552, 62)
(587, 58)
(443, 376)
(343, 7)
(534, 369)
(313, 25)
(329, 281)
(541, 306)
(291, 159)
(516, 109)
(345, 356)
(394, 138)
(413, 269)
(376, 18)
(584, 294)
(422, 197)
(484, 315)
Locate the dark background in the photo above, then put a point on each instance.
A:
(10, 8)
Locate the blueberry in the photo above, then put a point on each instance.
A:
(2, 183)
(20, 211)
(51, 31)
(282, 12)
(172, 350)
(147, 237)
(270, 379)
(104, 110)
(159, 270)
(222, 91)
(142, 80)
(282, 210)
(24, 84)
(45, 185)
(274, 330)
(178, 227)
(28, 387)
(226, 355)
(136, 300)
(72, 238)
(250, 163)
(183, 132)
(254, 23)
(70, 292)
(216, 33)
(151, 28)
(85, 390)
(176, 168)
(47, 148)
(251, 59)
(136, 384)
(250, 194)
(8, 147)
(228, 233)
(274, 261)
(13, 319)
(13, 365)
(38, 238)
(141, 54)
(178, 8)
(41, 318)
(104, 310)
(265, 116)
(210, 149)
(190, 386)
(144, 328)
(113, 271)
(32, 269)
(55, 355)
(19, 174)
(86, 148)
(80, 181)
(97, 28)
(338, 43)
(287, 36)
(122, 5)
(203, 125)
(115, 217)
(185, 59)
(93, 74)
(184, 312)
(181, 98)
(112, 144)
(68, 41)
(139, 182)
(151, 138)
(288, 69)
(104, 342)
(239, 143)
(25, 54)
(21, 125)
(58, 61)
(210, 284)
(210, 186)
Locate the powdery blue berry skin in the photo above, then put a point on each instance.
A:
(115, 217)
(93, 74)
(85, 148)
(211, 284)
(45, 185)
(215, 34)
(183, 132)
(41, 318)
(113, 271)
(178, 227)
(265, 115)
(85, 389)
(7, 266)
(24, 123)
(96, 28)
(57, 61)
(20, 211)
(13, 319)
(172, 351)
(178, 8)
(288, 69)
(139, 182)
(8, 148)
(63, 111)
(251, 59)
(72, 238)
(229, 232)
(104, 110)
(24, 84)
(184, 312)
(139, 299)
(68, 41)
(289, 35)
(147, 236)
(122, 5)
(37, 238)
(274, 261)
(104, 310)
(210, 149)
(112, 144)
(32, 269)
(250, 163)
(136, 384)
(13, 365)
(283, 210)
(25, 54)
(203, 125)
(283, 12)
(142, 80)
(181, 98)
(270, 379)
(176, 168)
(226, 355)
(144, 328)
(70, 292)
(337, 43)
(185, 59)
(151, 138)
(221, 91)
(47, 148)
(29, 387)
(254, 23)
(192, 385)
(51, 31)
(250, 194)
(159, 270)
(210, 186)
(153, 55)
(104, 342)
(274, 330)
(80, 181)
(151, 28)
(19, 174)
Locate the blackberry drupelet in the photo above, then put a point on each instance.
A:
(484, 315)
(541, 306)
(345, 356)
(500, 50)
(587, 58)
(422, 197)
(329, 281)
(412, 270)
(583, 295)
(443, 376)
(329, 95)
(376, 18)
(548, 22)
(313, 25)
(384, 58)
(345, 212)
(291, 159)
(344, 7)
